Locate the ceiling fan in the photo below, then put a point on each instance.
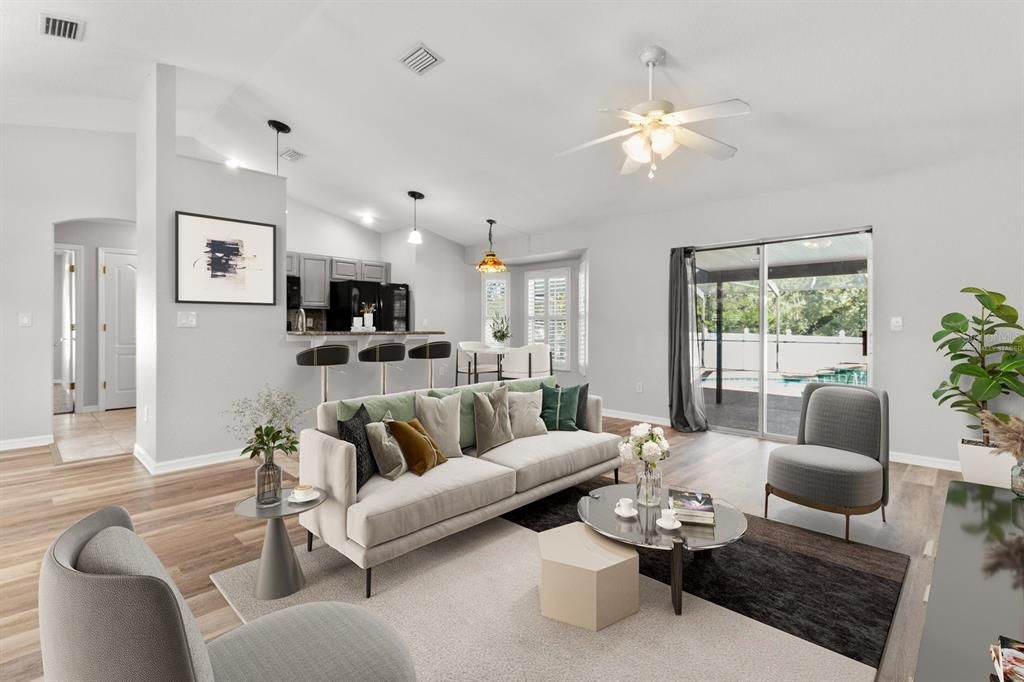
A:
(656, 129)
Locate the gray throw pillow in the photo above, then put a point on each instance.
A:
(115, 550)
(440, 418)
(493, 427)
(524, 414)
(386, 450)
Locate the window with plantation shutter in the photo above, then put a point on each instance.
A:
(495, 297)
(547, 312)
(582, 327)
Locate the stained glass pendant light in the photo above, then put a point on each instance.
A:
(491, 262)
(414, 235)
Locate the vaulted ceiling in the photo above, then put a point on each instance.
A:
(838, 90)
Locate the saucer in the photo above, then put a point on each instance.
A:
(303, 500)
(627, 515)
(661, 524)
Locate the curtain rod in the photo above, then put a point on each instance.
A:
(867, 229)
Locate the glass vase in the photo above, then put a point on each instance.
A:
(268, 484)
(648, 487)
(1017, 479)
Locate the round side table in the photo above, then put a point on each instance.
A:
(279, 573)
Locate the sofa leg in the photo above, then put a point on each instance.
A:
(767, 492)
(616, 475)
(369, 581)
(309, 541)
(883, 513)
(847, 527)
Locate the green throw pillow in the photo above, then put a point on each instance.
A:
(401, 405)
(558, 407)
(529, 385)
(467, 413)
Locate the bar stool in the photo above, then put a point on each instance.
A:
(383, 353)
(323, 357)
(430, 351)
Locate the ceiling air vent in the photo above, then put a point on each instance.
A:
(61, 27)
(421, 58)
(290, 154)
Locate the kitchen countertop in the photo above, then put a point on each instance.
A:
(365, 333)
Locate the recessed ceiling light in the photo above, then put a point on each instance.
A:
(367, 218)
(232, 163)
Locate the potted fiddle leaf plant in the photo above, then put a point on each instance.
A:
(987, 352)
(265, 424)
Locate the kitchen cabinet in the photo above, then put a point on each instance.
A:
(375, 271)
(344, 268)
(315, 272)
(291, 263)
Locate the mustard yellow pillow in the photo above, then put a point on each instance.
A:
(420, 451)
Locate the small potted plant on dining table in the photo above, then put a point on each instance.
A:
(264, 424)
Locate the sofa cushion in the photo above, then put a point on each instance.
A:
(826, 475)
(402, 406)
(419, 449)
(493, 426)
(385, 510)
(467, 421)
(559, 406)
(524, 414)
(529, 385)
(353, 430)
(440, 417)
(387, 453)
(539, 459)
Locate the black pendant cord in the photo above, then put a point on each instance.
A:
(490, 233)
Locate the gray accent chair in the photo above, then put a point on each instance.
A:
(108, 610)
(840, 462)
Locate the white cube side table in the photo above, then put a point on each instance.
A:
(586, 579)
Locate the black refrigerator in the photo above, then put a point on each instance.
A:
(394, 308)
(348, 298)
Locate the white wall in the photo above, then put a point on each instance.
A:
(91, 235)
(936, 230)
(47, 175)
(311, 230)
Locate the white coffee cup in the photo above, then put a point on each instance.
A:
(668, 516)
(626, 505)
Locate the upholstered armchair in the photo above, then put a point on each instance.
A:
(840, 462)
(108, 610)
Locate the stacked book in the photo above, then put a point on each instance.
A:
(692, 507)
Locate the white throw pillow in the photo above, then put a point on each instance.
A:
(440, 419)
(524, 413)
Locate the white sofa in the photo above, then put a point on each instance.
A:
(386, 519)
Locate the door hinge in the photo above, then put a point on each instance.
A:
(104, 326)
(104, 270)
(104, 385)
(71, 268)
(71, 387)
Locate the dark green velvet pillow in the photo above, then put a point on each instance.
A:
(581, 410)
(558, 407)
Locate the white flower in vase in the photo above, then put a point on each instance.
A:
(651, 453)
(658, 431)
(627, 451)
(640, 430)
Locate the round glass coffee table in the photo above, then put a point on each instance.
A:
(597, 510)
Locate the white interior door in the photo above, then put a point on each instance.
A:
(117, 276)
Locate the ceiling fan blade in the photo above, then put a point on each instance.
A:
(730, 107)
(630, 116)
(630, 166)
(703, 143)
(606, 138)
(668, 153)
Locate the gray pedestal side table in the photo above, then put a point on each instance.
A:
(279, 572)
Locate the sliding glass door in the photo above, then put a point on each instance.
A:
(775, 316)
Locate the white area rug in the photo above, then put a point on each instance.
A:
(469, 608)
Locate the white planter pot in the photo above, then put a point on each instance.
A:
(367, 320)
(979, 465)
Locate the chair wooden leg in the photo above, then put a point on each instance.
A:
(369, 581)
(309, 541)
(883, 513)
(847, 527)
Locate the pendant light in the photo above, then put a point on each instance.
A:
(491, 262)
(414, 235)
(279, 128)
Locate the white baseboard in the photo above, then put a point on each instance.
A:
(924, 461)
(26, 442)
(87, 408)
(156, 468)
(633, 416)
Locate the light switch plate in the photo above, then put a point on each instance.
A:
(24, 319)
(187, 318)
(896, 324)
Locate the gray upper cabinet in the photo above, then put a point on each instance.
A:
(344, 268)
(315, 272)
(375, 271)
(291, 263)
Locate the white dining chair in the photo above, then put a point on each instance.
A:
(473, 359)
(532, 360)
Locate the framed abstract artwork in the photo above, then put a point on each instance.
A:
(221, 260)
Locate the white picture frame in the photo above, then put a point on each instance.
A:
(223, 260)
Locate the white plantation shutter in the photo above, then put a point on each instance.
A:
(495, 302)
(582, 299)
(548, 308)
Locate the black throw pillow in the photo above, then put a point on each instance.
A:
(354, 431)
(581, 408)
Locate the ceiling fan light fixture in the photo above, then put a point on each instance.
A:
(490, 262)
(662, 142)
(638, 148)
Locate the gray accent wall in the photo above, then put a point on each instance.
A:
(91, 235)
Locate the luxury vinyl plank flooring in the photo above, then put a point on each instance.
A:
(188, 519)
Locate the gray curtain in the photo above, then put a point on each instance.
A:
(686, 397)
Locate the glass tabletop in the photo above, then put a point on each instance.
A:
(597, 510)
(247, 507)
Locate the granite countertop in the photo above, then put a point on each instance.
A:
(315, 332)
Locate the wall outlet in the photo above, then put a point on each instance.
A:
(639, 387)
(896, 324)
(187, 318)
(24, 319)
